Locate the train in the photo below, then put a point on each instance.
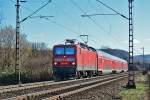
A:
(75, 60)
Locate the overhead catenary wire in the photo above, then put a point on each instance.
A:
(35, 11)
(63, 11)
(91, 39)
(99, 8)
(88, 16)
(24, 7)
(63, 26)
(96, 15)
(112, 9)
(54, 22)
(40, 16)
(116, 13)
(36, 1)
(105, 18)
(13, 1)
(95, 22)
(33, 1)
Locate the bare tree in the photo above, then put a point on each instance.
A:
(25, 50)
(7, 38)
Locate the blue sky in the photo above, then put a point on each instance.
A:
(111, 31)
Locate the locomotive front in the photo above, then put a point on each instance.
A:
(64, 61)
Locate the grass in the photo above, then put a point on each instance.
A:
(12, 78)
(140, 93)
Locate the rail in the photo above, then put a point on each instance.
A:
(63, 87)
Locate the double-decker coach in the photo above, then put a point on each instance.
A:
(110, 64)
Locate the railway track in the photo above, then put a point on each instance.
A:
(5, 90)
(53, 89)
(64, 94)
(11, 87)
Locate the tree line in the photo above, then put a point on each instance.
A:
(35, 58)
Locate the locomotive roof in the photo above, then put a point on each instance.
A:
(82, 45)
(64, 45)
(102, 53)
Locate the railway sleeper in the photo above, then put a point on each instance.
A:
(61, 90)
(55, 91)
(67, 94)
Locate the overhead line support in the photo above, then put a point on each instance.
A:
(18, 22)
(17, 57)
(131, 69)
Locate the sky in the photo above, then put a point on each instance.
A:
(67, 22)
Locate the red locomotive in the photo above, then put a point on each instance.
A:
(79, 60)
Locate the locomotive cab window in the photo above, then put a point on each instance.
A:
(64, 51)
(59, 50)
(69, 50)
